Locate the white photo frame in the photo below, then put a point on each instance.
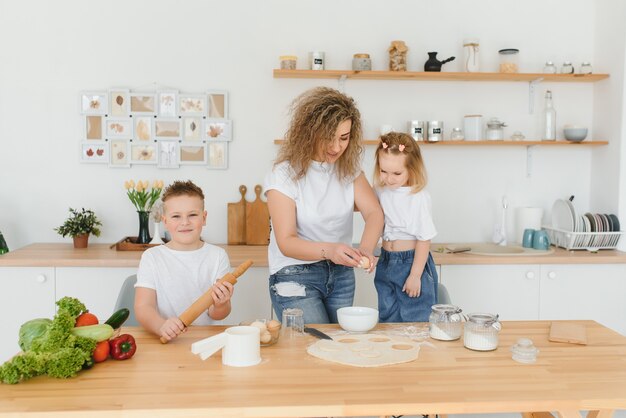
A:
(143, 104)
(93, 103)
(142, 128)
(192, 104)
(167, 103)
(94, 153)
(217, 104)
(143, 153)
(217, 130)
(192, 128)
(168, 154)
(193, 153)
(119, 153)
(217, 155)
(119, 103)
(93, 127)
(121, 128)
(167, 128)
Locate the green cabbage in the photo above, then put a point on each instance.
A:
(31, 330)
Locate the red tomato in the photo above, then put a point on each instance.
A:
(101, 352)
(86, 318)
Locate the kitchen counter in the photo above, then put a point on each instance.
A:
(101, 255)
(169, 381)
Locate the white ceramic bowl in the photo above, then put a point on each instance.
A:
(357, 318)
(575, 133)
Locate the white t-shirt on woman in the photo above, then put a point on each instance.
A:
(324, 207)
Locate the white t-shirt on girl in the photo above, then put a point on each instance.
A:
(181, 277)
(324, 207)
(408, 216)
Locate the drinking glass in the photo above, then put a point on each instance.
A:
(293, 323)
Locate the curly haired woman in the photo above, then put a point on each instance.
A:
(315, 186)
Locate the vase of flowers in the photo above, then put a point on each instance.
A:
(143, 197)
(79, 225)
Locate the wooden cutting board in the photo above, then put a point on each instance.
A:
(257, 220)
(237, 219)
(568, 333)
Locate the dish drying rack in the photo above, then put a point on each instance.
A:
(590, 241)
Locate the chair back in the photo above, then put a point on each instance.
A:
(443, 296)
(126, 299)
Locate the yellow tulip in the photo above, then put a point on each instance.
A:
(126, 185)
(131, 183)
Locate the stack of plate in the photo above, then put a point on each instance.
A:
(564, 217)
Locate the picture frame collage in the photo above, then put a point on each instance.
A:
(165, 128)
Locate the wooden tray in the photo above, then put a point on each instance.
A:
(129, 244)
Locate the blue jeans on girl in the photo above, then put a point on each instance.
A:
(393, 304)
(319, 289)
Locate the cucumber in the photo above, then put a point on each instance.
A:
(118, 318)
(98, 332)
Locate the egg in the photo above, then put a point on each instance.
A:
(260, 325)
(364, 263)
(266, 337)
(273, 324)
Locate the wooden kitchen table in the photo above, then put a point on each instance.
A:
(169, 381)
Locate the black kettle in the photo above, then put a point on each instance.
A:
(433, 64)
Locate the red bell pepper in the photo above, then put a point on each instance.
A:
(123, 347)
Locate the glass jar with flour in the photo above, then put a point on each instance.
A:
(444, 322)
(481, 332)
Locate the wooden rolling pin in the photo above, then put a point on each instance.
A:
(206, 300)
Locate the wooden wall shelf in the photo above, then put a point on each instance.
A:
(527, 143)
(438, 76)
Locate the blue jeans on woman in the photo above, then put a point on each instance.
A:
(319, 289)
(394, 305)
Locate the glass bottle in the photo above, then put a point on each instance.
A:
(549, 119)
(4, 248)
(549, 68)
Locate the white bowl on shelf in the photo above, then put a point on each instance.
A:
(357, 318)
(574, 133)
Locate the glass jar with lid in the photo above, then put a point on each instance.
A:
(585, 68)
(509, 60)
(481, 332)
(457, 134)
(549, 68)
(567, 68)
(495, 130)
(444, 322)
(361, 62)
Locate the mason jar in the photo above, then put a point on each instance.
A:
(549, 68)
(481, 332)
(585, 68)
(495, 130)
(567, 68)
(509, 60)
(444, 322)
(361, 62)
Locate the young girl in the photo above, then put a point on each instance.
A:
(406, 279)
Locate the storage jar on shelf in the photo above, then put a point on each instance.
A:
(509, 60)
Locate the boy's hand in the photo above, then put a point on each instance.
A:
(222, 292)
(172, 328)
(413, 285)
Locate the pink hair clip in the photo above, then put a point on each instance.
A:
(385, 145)
(401, 147)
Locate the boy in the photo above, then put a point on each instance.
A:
(172, 276)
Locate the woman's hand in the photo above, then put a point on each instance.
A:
(413, 285)
(172, 328)
(371, 263)
(222, 292)
(344, 254)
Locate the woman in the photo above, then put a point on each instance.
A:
(312, 192)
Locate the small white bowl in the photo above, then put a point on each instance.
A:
(357, 318)
(575, 133)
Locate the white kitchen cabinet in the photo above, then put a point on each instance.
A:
(511, 291)
(585, 291)
(25, 293)
(96, 287)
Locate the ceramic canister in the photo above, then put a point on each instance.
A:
(435, 131)
(473, 127)
(417, 129)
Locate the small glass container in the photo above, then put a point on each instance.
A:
(495, 130)
(293, 323)
(288, 62)
(481, 332)
(549, 68)
(471, 62)
(361, 62)
(524, 351)
(517, 136)
(567, 68)
(457, 134)
(509, 60)
(585, 68)
(444, 322)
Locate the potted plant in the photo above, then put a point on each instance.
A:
(79, 225)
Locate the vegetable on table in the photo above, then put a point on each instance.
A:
(101, 352)
(86, 318)
(98, 332)
(123, 347)
(31, 330)
(57, 352)
(118, 318)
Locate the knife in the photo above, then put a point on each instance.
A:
(317, 333)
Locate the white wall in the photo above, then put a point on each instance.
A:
(52, 51)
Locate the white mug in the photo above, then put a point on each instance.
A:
(241, 346)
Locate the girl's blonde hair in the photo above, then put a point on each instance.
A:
(396, 143)
(316, 115)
